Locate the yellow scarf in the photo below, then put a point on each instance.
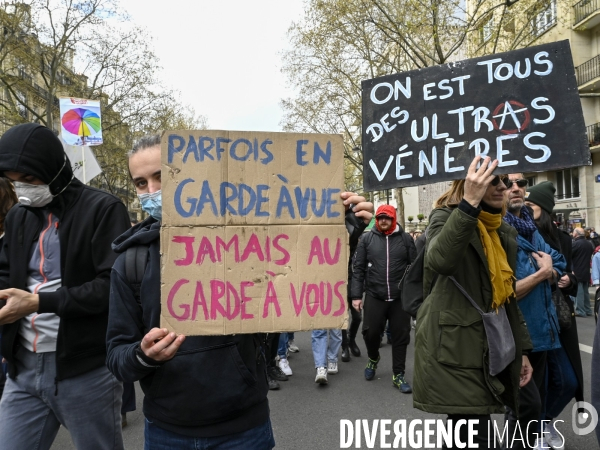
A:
(501, 275)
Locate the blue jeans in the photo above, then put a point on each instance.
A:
(284, 339)
(33, 407)
(324, 351)
(257, 438)
(562, 382)
(583, 306)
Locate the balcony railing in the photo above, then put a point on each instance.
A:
(45, 94)
(585, 8)
(25, 76)
(593, 134)
(588, 70)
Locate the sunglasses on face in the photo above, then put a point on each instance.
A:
(521, 182)
(508, 183)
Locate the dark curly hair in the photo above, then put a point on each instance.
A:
(8, 199)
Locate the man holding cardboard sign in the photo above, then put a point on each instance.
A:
(208, 389)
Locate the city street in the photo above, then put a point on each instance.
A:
(307, 416)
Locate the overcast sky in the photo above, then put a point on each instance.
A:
(223, 56)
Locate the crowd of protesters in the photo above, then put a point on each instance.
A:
(80, 285)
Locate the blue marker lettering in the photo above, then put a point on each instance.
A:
(260, 199)
(205, 145)
(219, 148)
(206, 196)
(234, 146)
(269, 155)
(300, 153)
(313, 202)
(285, 200)
(191, 148)
(302, 200)
(173, 147)
(245, 209)
(177, 200)
(225, 199)
(324, 155)
(332, 199)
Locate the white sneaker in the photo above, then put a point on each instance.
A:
(321, 377)
(332, 367)
(292, 347)
(553, 438)
(284, 365)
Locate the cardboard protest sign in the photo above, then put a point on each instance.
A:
(253, 236)
(521, 107)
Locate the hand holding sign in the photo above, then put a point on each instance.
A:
(477, 180)
(362, 208)
(160, 345)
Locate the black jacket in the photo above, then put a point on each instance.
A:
(582, 257)
(380, 262)
(89, 220)
(215, 385)
(570, 338)
(86, 228)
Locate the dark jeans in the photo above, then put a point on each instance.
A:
(128, 398)
(376, 312)
(562, 382)
(271, 350)
(257, 438)
(531, 398)
(483, 428)
(356, 319)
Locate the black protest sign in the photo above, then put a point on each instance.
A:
(521, 107)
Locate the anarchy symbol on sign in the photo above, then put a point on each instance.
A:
(515, 114)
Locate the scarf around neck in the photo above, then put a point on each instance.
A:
(501, 275)
(525, 225)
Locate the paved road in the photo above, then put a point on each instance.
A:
(307, 416)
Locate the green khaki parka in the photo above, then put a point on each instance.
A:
(451, 373)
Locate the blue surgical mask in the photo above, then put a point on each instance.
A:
(152, 204)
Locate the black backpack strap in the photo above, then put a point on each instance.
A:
(136, 259)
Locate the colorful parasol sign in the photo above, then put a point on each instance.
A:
(80, 121)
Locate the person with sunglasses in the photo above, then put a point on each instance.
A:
(468, 242)
(537, 265)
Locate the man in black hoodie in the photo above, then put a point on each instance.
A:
(200, 391)
(54, 268)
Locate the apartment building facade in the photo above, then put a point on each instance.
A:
(538, 22)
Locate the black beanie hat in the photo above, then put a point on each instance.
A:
(542, 194)
(35, 150)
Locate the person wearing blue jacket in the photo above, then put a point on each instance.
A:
(538, 265)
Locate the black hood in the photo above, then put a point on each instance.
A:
(143, 233)
(33, 149)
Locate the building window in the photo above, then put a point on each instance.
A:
(544, 19)
(486, 30)
(531, 181)
(21, 105)
(567, 184)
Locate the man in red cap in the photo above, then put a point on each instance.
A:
(379, 264)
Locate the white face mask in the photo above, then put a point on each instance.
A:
(32, 194)
(38, 195)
